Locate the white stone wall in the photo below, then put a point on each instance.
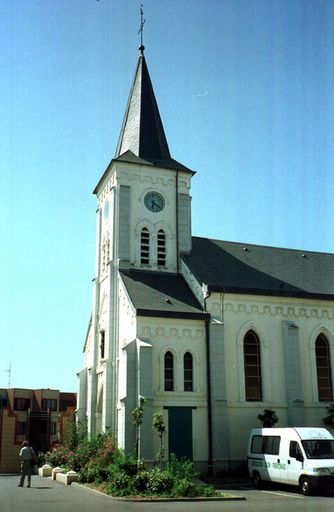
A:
(127, 334)
(179, 337)
(265, 316)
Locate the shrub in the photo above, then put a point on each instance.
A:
(184, 487)
(98, 460)
(268, 418)
(75, 434)
(120, 484)
(187, 488)
(181, 469)
(107, 452)
(58, 456)
(329, 418)
(159, 481)
(140, 481)
(126, 462)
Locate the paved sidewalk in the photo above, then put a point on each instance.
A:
(47, 495)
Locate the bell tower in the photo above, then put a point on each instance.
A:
(143, 195)
(143, 224)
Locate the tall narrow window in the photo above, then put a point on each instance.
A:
(161, 248)
(102, 343)
(188, 371)
(324, 373)
(145, 246)
(252, 365)
(169, 371)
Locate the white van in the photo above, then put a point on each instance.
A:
(301, 456)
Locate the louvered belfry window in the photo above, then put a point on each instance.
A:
(145, 247)
(252, 365)
(161, 248)
(324, 372)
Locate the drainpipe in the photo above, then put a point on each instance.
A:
(177, 221)
(208, 373)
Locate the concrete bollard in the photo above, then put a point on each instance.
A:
(67, 478)
(55, 471)
(45, 470)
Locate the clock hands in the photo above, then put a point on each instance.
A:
(156, 205)
(154, 202)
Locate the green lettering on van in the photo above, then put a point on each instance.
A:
(276, 465)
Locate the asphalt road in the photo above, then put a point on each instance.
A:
(46, 495)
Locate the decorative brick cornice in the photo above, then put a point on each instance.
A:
(171, 333)
(284, 311)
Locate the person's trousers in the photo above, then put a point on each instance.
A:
(25, 472)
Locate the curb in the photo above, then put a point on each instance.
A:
(152, 500)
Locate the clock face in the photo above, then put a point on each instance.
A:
(154, 202)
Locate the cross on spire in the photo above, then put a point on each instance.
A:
(141, 29)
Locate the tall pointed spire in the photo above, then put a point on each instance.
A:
(142, 130)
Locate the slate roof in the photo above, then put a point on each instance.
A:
(161, 294)
(254, 269)
(142, 130)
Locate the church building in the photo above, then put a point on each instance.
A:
(210, 332)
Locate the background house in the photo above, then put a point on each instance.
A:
(37, 415)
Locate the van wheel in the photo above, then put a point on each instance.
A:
(305, 486)
(257, 481)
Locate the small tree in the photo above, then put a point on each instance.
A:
(137, 419)
(160, 427)
(268, 418)
(75, 433)
(329, 419)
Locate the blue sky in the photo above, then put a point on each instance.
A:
(245, 91)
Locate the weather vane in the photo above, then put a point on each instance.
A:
(141, 29)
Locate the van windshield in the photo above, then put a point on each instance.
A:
(319, 448)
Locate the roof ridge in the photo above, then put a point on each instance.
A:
(264, 246)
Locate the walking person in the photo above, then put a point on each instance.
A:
(27, 456)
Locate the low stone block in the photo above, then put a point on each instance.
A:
(45, 470)
(67, 478)
(55, 472)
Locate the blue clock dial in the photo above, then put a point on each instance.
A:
(154, 202)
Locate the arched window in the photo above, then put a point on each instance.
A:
(324, 373)
(252, 366)
(161, 248)
(188, 371)
(169, 371)
(145, 247)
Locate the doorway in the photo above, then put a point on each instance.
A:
(180, 431)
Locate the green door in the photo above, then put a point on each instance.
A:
(180, 431)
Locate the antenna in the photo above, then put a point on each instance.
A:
(9, 371)
(141, 29)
